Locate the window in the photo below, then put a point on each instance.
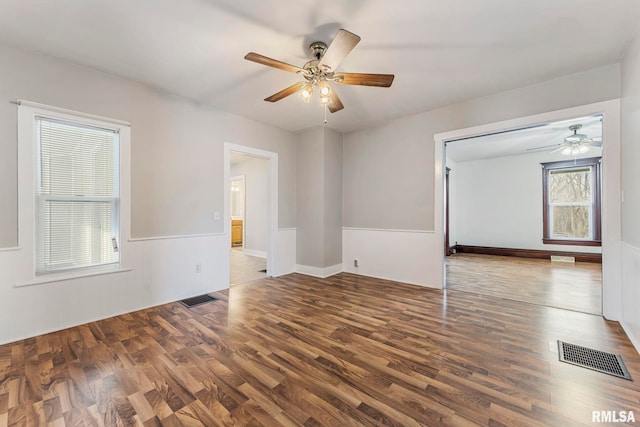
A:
(77, 195)
(571, 202)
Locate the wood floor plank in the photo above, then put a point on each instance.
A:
(536, 281)
(301, 351)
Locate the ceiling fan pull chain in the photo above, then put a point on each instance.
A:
(325, 114)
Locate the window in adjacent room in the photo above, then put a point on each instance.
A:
(571, 202)
(77, 195)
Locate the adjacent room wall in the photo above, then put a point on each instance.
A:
(400, 154)
(630, 75)
(498, 202)
(256, 208)
(177, 186)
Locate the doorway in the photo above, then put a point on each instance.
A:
(250, 212)
(610, 112)
(500, 215)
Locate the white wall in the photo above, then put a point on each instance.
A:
(498, 202)
(310, 198)
(319, 202)
(332, 198)
(256, 211)
(177, 184)
(630, 75)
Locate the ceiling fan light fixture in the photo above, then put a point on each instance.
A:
(324, 100)
(323, 88)
(576, 138)
(306, 92)
(576, 143)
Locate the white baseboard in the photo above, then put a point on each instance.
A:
(255, 253)
(318, 271)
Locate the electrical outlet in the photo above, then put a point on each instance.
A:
(198, 268)
(355, 263)
(216, 215)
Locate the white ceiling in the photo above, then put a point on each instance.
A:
(441, 52)
(544, 138)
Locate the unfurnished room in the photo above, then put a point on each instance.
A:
(337, 213)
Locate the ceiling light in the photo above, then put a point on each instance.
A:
(306, 92)
(576, 138)
(575, 143)
(324, 88)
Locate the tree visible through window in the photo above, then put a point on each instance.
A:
(571, 192)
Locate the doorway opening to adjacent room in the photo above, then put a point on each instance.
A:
(249, 212)
(505, 224)
(249, 218)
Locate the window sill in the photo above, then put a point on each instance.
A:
(52, 278)
(572, 242)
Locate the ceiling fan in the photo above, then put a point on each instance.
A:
(321, 70)
(574, 144)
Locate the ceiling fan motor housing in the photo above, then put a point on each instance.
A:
(318, 49)
(576, 138)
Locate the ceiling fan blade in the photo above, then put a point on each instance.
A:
(560, 148)
(270, 62)
(285, 92)
(361, 79)
(596, 141)
(342, 44)
(335, 104)
(544, 147)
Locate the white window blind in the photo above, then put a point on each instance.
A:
(77, 200)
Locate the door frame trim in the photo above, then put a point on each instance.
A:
(272, 181)
(611, 209)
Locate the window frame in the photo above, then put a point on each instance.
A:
(594, 164)
(41, 199)
(28, 112)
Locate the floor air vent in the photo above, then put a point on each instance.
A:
(193, 301)
(597, 360)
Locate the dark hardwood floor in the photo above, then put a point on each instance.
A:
(298, 351)
(535, 281)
